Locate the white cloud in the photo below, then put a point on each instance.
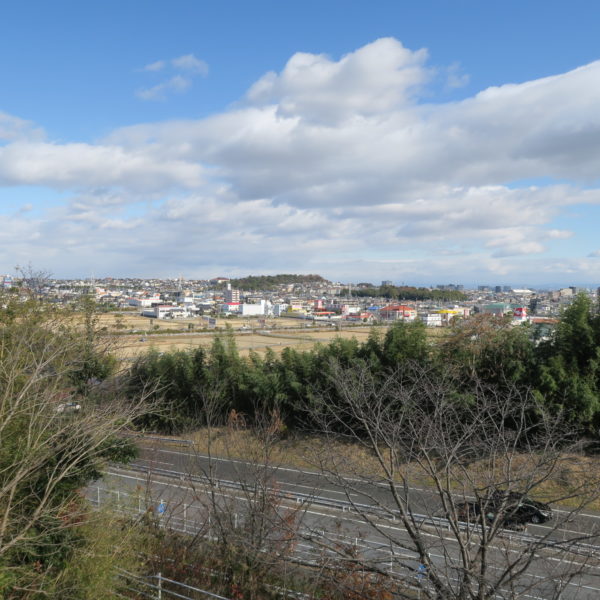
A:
(64, 166)
(376, 78)
(334, 164)
(13, 128)
(189, 62)
(176, 84)
(159, 65)
(559, 234)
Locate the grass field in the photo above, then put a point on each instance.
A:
(137, 334)
(132, 345)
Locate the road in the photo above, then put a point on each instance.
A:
(330, 526)
(302, 481)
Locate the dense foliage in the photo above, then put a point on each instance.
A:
(271, 282)
(391, 292)
(563, 372)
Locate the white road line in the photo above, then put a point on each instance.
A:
(308, 511)
(292, 484)
(152, 461)
(334, 511)
(332, 491)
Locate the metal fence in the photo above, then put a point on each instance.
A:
(159, 587)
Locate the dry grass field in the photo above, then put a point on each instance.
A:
(132, 345)
(137, 334)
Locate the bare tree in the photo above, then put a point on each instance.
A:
(452, 475)
(33, 281)
(239, 520)
(54, 439)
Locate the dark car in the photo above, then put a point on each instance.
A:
(515, 510)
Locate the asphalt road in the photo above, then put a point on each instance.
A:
(564, 526)
(170, 477)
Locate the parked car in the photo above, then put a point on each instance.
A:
(517, 510)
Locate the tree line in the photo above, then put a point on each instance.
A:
(391, 292)
(562, 372)
(271, 282)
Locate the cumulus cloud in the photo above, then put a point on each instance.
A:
(338, 164)
(64, 166)
(176, 84)
(376, 78)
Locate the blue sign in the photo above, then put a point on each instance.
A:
(162, 506)
(421, 571)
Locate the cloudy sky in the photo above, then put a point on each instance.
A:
(425, 143)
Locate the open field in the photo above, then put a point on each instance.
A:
(132, 345)
(137, 334)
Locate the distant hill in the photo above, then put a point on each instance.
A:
(270, 282)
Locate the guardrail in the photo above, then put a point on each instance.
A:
(154, 438)
(401, 564)
(378, 552)
(581, 548)
(160, 591)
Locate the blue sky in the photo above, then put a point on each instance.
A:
(424, 142)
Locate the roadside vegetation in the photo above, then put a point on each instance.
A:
(61, 410)
(486, 407)
(562, 373)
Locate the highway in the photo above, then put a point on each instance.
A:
(564, 526)
(331, 521)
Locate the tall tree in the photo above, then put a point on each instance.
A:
(569, 364)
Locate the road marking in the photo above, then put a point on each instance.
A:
(155, 462)
(333, 509)
(381, 545)
(333, 491)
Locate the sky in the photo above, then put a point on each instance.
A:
(430, 142)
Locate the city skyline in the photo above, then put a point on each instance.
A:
(418, 144)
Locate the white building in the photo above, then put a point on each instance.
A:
(431, 319)
(254, 310)
(143, 302)
(231, 295)
(279, 309)
(166, 311)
